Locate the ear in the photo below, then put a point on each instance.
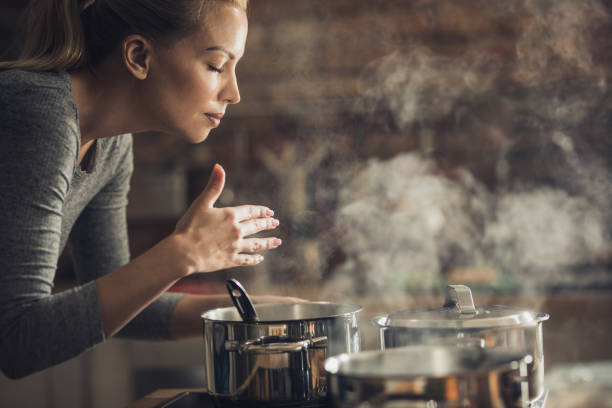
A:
(136, 52)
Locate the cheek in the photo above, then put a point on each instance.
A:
(204, 90)
(198, 92)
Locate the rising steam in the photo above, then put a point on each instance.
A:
(408, 224)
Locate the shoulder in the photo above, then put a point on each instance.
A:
(42, 78)
(29, 96)
(37, 104)
(16, 84)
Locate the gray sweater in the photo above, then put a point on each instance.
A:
(46, 199)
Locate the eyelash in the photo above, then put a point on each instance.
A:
(213, 68)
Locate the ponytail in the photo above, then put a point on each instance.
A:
(54, 38)
(73, 34)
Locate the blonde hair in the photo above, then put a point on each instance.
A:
(73, 34)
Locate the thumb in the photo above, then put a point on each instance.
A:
(214, 187)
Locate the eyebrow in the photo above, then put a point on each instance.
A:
(222, 49)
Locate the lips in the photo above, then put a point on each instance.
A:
(214, 118)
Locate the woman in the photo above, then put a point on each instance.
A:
(90, 74)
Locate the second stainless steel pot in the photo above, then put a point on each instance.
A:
(279, 358)
(458, 322)
(429, 377)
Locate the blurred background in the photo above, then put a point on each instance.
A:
(404, 145)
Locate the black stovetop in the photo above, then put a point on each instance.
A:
(205, 400)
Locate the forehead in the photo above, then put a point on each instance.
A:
(223, 26)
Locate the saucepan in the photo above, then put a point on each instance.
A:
(429, 377)
(460, 323)
(275, 353)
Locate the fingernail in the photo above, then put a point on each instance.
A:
(269, 212)
(275, 222)
(259, 258)
(277, 242)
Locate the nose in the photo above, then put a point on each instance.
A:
(230, 92)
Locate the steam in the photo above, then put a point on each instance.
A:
(408, 227)
(407, 224)
(423, 86)
(401, 220)
(545, 231)
(559, 33)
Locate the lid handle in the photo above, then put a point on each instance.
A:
(460, 296)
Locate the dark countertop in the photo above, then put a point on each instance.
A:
(159, 396)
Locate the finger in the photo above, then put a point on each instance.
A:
(258, 224)
(248, 212)
(258, 244)
(214, 187)
(247, 259)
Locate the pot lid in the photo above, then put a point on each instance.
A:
(459, 312)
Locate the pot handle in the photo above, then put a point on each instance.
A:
(272, 345)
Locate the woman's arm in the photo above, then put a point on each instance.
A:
(206, 239)
(99, 237)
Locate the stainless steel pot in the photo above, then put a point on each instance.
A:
(279, 358)
(429, 377)
(458, 322)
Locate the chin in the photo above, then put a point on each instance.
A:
(197, 137)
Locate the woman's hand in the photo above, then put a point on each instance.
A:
(216, 238)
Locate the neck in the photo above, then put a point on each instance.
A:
(104, 103)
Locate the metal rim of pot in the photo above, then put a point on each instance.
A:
(236, 318)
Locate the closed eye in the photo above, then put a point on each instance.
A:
(214, 68)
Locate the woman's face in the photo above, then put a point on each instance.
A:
(192, 81)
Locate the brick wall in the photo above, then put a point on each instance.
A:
(494, 88)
